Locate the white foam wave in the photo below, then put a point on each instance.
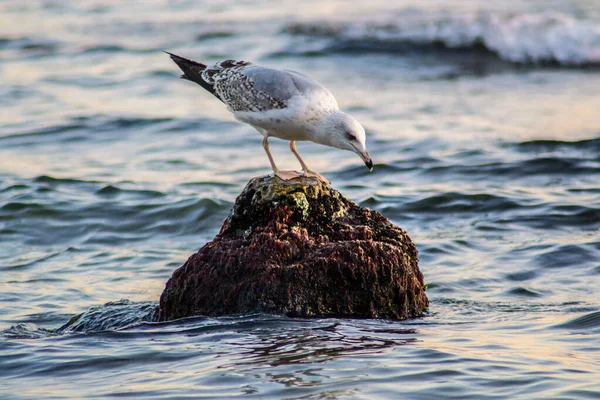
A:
(519, 38)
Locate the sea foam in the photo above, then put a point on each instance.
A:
(542, 38)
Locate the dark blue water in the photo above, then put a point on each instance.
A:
(483, 123)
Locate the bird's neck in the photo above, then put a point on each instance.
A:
(323, 131)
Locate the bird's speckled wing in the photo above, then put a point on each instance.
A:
(242, 87)
(245, 87)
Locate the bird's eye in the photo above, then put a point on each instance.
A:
(350, 136)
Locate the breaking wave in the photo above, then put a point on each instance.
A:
(543, 38)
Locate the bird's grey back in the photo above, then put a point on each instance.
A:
(280, 84)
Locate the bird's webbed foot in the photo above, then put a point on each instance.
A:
(287, 175)
(309, 173)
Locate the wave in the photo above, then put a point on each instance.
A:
(501, 212)
(71, 129)
(459, 202)
(540, 166)
(112, 316)
(542, 39)
(590, 145)
(42, 211)
(587, 321)
(30, 44)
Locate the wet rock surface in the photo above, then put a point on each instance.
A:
(300, 248)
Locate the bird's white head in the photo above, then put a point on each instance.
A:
(346, 133)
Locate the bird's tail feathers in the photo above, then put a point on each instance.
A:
(192, 71)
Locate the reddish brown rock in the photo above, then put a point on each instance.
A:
(299, 248)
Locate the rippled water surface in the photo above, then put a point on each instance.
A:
(482, 119)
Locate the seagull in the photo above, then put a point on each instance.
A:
(279, 103)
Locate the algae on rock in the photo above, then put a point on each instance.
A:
(299, 247)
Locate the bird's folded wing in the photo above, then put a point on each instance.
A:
(245, 87)
(254, 88)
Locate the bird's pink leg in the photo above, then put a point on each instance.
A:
(305, 171)
(284, 175)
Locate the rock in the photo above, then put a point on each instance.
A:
(300, 248)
